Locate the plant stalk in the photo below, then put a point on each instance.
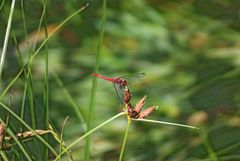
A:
(125, 139)
(89, 133)
(94, 84)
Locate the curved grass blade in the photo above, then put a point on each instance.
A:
(29, 128)
(40, 47)
(17, 142)
(89, 133)
(3, 155)
(73, 103)
(166, 123)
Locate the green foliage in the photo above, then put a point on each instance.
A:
(189, 51)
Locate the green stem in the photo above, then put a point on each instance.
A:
(40, 47)
(4, 50)
(73, 103)
(166, 123)
(46, 82)
(94, 83)
(3, 155)
(89, 133)
(2, 4)
(30, 96)
(125, 139)
(211, 152)
(11, 134)
(58, 27)
(28, 127)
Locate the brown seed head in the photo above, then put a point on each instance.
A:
(139, 105)
(147, 112)
(1, 132)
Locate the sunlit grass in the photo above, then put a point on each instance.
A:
(140, 36)
(5, 45)
(28, 86)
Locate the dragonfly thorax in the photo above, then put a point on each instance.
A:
(122, 82)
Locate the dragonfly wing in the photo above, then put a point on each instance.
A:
(119, 90)
(132, 79)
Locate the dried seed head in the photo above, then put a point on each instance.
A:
(139, 105)
(28, 134)
(133, 114)
(1, 128)
(147, 112)
(1, 132)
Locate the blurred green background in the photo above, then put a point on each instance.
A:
(190, 51)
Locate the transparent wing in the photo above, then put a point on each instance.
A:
(133, 79)
(120, 92)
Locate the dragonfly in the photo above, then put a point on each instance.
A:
(121, 84)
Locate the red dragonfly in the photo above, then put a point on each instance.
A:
(121, 87)
(121, 84)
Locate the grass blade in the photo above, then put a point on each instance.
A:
(94, 82)
(3, 155)
(89, 133)
(17, 142)
(76, 108)
(166, 123)
(40, 47)
(46, 83)
(6, 39)
(2, 4)
(28, 127)
(124, 140)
